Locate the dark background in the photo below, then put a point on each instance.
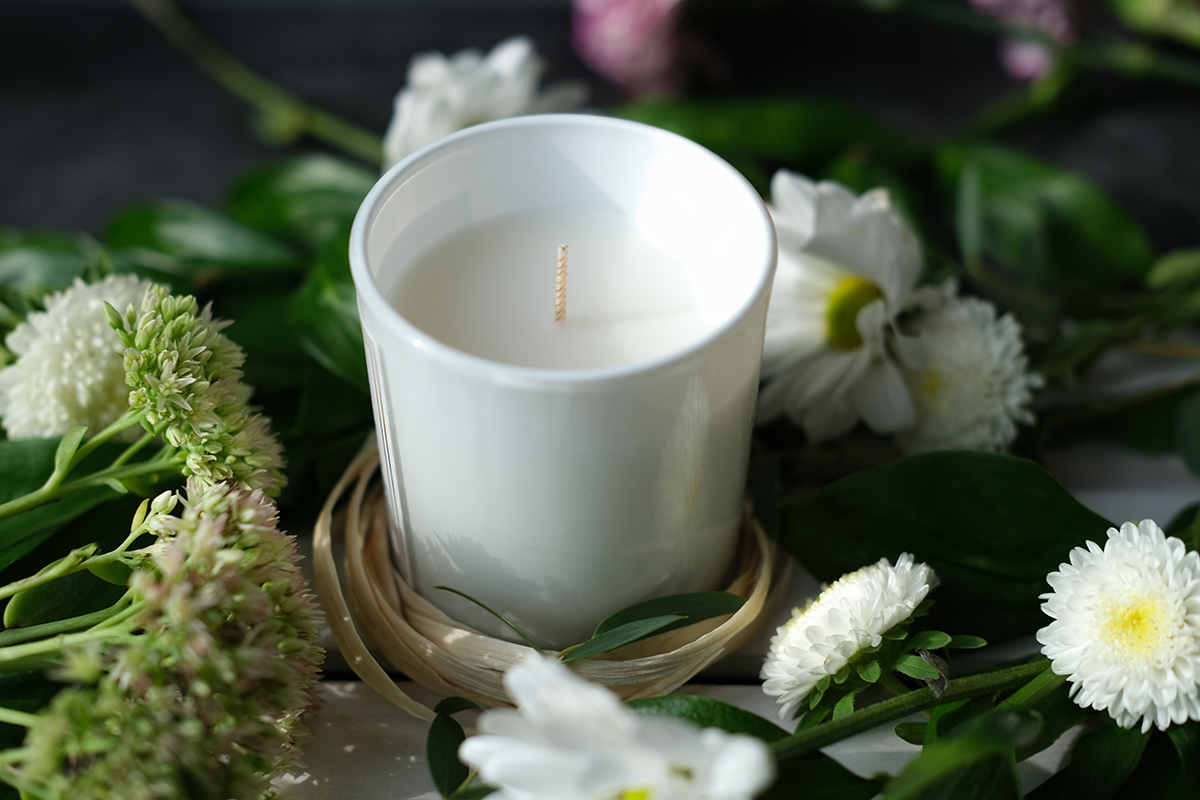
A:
(98, 111)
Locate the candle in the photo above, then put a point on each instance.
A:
(489, 291)
(561, 470)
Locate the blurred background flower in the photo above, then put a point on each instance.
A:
(444, 95)
(635, 43)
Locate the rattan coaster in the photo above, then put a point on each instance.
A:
(450, 658)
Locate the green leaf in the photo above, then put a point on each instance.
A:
(870, 671)
(456, 703)
(911, 732)
(620, 636)
(441, 752)
(917, 668)
(966, 642)
(67, 447)
(798, 133)
(24, 691)
(1158, 775)
(324, 316)
(24, 467)
(1059, 714)
(1186, 738)
(1178, 19)
(1178, 267)
(819, 777)
(695, 606)
(991, 526)
(309, 199)
(275, 361)
(845, 706)
(1103, 760)
(1182, 521)
(192, 242)
(36, 264)
(1187, 431)
(1046, 226)
(48, 602)
(475, 791)
(929, 640)
(707, 712)
(976, 754)
(493, 612)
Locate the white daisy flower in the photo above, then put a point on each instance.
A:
(851, 614)
(1126, 629)
(445, 95)
(69, 370)
(847, 267)
(571, 740)
(974, 386)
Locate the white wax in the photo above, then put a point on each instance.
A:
(488, 290)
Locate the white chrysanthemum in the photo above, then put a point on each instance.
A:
(571, 740)
(69, 370)
(974, 386)
(1126, 629)
(851, 614)
(445, 95)
(847, 267)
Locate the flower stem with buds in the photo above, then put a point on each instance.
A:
(809, 741)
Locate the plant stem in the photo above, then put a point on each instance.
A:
(264, 95)
(126, 420)
(18, 652)
(47, 629)
(1037, 689)
(14, 717)
(813, 739)
(13, 756)
(120, 472)
(114, 473)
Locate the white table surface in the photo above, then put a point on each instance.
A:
(364, 748)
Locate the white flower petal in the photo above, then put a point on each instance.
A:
(551, 752)
(848, 615)
(882, 399)
(445, 95)
(830, 242)
(1126, 627)
(69, 369)
(971, 385)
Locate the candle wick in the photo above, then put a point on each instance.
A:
(560, 285)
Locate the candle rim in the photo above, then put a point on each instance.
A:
(369, 292)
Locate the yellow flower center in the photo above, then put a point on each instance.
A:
(931, 383)
(1137, 625)
(636, 794)
(841, 315)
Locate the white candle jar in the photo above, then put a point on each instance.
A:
(560, 495)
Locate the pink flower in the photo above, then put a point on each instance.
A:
(636, 43)
(1026, 59)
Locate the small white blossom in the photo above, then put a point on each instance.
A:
(69, 370)
(847, 267)
(571, 740)
(445, 95)
(974, 386)
(1126, 629)
(851, 614)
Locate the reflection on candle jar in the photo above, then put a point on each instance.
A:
(560, 471)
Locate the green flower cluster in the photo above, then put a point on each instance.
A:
(205, 695)
(185, 376)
